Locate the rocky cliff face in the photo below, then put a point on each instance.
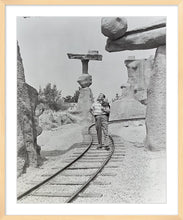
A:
(28, 152)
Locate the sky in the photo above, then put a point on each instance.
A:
(45, 41)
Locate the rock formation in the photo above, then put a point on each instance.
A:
(85, 99)
(52, 120)
(127, 106)
(28, 151)
(148, 37)
(139, 72)
(85, 80)
(113, 27)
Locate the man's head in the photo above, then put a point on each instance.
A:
(101, 97)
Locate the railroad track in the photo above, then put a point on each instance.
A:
(84, 165)
(91, 169)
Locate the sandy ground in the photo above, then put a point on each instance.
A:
(60, 138)
(139, 176)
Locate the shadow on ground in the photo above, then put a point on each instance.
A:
(54, 153)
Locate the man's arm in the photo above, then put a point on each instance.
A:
(106, 109)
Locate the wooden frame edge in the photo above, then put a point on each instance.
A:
(2, 107)
(180, 104)
(3, 3)
(91, 2)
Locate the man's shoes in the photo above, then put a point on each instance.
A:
(99, 147)
(107, 148)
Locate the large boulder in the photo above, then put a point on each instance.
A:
(85, 80)
(114, 27)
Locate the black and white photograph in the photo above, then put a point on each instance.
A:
(91, 110)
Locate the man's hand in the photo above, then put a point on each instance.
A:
(106, 109)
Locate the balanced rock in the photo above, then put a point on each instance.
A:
(113, 27)
(142, 38)
(85, 80)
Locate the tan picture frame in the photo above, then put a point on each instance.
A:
(3, 4)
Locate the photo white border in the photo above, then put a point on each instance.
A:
(171, 208)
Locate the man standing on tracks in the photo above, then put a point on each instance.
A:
(101, 110)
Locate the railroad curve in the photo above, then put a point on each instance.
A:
(90, 152)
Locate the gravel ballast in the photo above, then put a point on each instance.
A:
(133, 175)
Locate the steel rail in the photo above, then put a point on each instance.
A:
(58, 172)
(84, 186)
